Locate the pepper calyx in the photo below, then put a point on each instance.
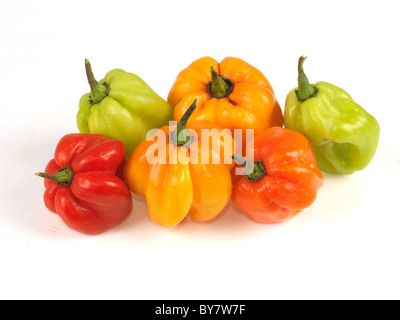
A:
(98, 90)
(305, 89)
(254, 171)
(181, 135)
(64, 176)
(219, 87)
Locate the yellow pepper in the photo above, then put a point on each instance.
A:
(194, 178)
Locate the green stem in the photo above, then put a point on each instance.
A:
(305, 89)
(254, 171)
(181, 134)
(64, 176)
(98, 90)
(219, 87)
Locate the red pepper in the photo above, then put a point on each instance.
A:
(83, 186)
(282, 181)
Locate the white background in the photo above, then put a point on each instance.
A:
(345, 246)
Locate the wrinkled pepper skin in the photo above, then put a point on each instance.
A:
(121, 106)
(286, 180)
(188, 186)
(343, 134)
(83, 183)
(233, 94)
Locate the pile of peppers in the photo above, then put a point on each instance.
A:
(132, 141)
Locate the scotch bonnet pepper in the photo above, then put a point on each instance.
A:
(178, 186)
(84, 183)
(343, 134)
(233, 94)
(121, 106)
(283, 180)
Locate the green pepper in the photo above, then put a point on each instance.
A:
(344, 136)
(121, 106)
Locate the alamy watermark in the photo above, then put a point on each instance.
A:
(212, 146)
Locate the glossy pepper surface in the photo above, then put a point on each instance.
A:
(283, 179)
(233, 94)
(343, 134)
(193, 180)
(121, 106)
(83, 183)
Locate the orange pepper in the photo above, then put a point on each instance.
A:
(185, 184)
(233, 94)
(283, 180)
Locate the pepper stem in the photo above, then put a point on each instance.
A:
(305, 89)
(98, 90)
(63, 176)
(219, 87)
(254, 171)
(181, 134)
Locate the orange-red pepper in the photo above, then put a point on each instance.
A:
(233, 94)
(282, 181)
(184, 184)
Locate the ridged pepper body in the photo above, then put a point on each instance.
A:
(286, 180)
(343, 134)
(184, 184)
(84, 183)
(233, 94)
(126, 111)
